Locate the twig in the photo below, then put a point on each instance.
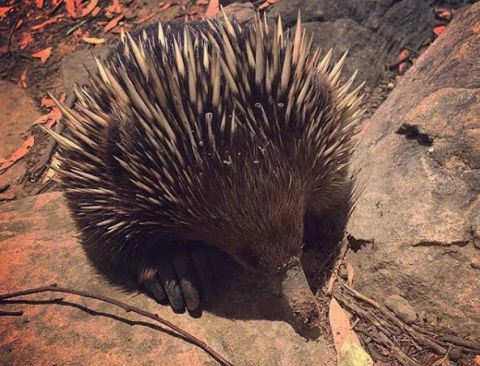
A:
(422, 338)
(461, 342)
(127, 308)
(11, 313)
(76, 26)
(336, 265)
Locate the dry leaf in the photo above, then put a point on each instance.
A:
(47, 22)
(477, 360)
(39, 4)
(19, 23)
(17, 155)
(74, 8)
(92, 40)
(96, 11)
(439, 30)
(49, 119)
(26, 40)
(165, 5)
(47, 102)
(340, 325)
(113, 23)
(350, 273)
(23, 79)
(114, 8)
(267, 3)
(213, 8)
(403, 54)
(43, 55)
(90, 7)
(4, 10)
(345, 340)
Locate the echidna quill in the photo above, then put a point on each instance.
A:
(213, 133)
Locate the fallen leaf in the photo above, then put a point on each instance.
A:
(113, 23)
(39, 4)
(74, 8)
(17, 155)
(43, 55)
(403, 54)
(23, 79)
(26, 40)
(47, 22)
(350, 273)
(345, 340)
(114, 8)
(92, 40)
(96, 11)
(49, 119)
(443, 13)
(90, 7)
(402, 67)
(47, 102)
(212, 10)
(477, 360)
(267, 4)
(4, 10)
(165, 5)
(19, 24)
(439, 30)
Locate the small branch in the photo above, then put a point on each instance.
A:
(11, 313)
(127, 308)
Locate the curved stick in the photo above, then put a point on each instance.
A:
(127, 308)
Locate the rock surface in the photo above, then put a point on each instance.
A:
(401, 308)
(419, 212)
(38, 247)
(373, 31)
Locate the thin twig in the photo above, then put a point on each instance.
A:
(11, 313)
(338, 261)
(416, 335)
(127, 308)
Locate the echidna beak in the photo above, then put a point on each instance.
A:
(299, 297)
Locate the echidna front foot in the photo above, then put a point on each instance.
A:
(181, 280)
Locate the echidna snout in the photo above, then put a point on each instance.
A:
(296, 292)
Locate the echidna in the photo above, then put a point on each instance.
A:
(214, 133)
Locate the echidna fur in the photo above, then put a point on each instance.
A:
(208, 132)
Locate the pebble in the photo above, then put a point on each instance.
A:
(476, 242)
(401, 308)
(475, 263)
(390, 85)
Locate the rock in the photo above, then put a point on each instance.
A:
(243, 322)
(401, 308)
(475, 263)
(74, 66)
(244, 12)
(373, 31)
(420, 179)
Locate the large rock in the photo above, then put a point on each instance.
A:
(374, 31)
(420, 206)
(38, 247)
